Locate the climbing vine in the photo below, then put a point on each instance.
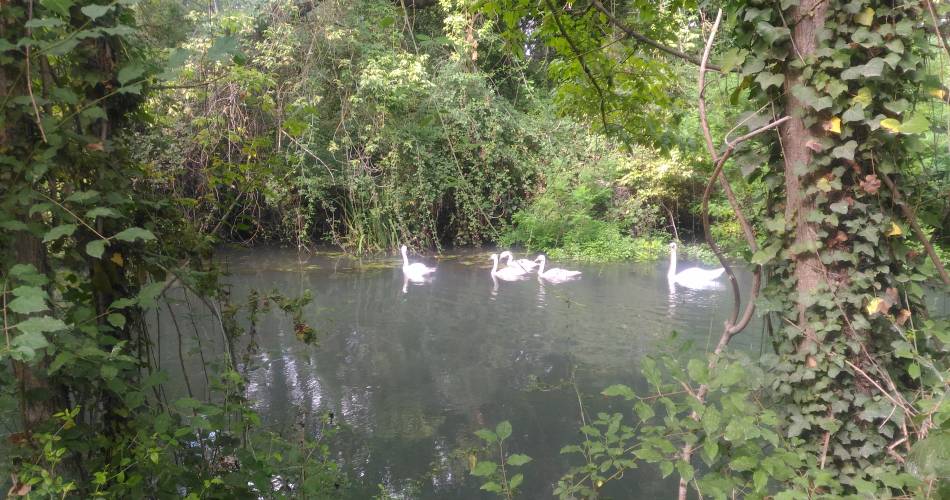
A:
(851, 400)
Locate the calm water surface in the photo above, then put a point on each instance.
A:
(410, 375)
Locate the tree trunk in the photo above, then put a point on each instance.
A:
(794, 136)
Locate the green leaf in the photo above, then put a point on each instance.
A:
(486, 435)
(30, 299)
(148, 294)
(914, 370)
(865, 17)
(518, 459)
(60, 7)
(698, 370)
(685, 470)
(135, 233)
(666, 468)
(42, 324)
(101, 212)
(732, 59)
(46, 22)
(845, 151)
(95, 248)
(29, 343)
(760, 478)
(917, 124)
(810, 97)
(766, 80)
(484, 468)
(503, 430)
(108, 372)
(58, 232)
(492, 487)
(117, 320)
(93, 11)
(619, 390)
(891, 124)
(129, 73)
(516, 481)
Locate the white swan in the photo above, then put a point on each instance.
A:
(416, 271)
(692, 277)
(506, 273)
(555, 274)
(525, 264)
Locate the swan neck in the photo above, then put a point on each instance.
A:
(405, 258)
(541, 269)
(494, 267)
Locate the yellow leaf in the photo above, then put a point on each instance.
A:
(117, 258)
(895, 230)
(865, 17)
(833, 125)
(873, 305)
(891, 124)
(863, 97)
(824, 185)
(938, 93)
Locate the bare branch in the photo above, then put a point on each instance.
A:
(915, 226)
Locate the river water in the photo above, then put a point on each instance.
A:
(411, 371)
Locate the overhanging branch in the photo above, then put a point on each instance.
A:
(631, 33)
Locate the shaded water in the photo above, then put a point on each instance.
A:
(411, 375)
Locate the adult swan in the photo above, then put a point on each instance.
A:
(692, 277)
(505, 273)
(555, 274)
(416, 271)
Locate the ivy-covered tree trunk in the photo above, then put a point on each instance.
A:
(17, 131)
(846, 276)
(795, 138)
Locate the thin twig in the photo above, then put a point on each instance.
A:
(580, 59)
(29, 76)
(630, 32)
(918, 232)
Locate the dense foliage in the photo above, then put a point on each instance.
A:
(87, 249)
(136, 136)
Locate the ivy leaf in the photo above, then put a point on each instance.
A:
(732, 59)
(873, 68)
(862, 97)
(833, 125)
(917, 124)
(845, 151)
(58, 232)
(767, 79)
(854, 114)
(135, 233)
(518, 459)
(810, 97)
(93, 11)
(95, 248)
(865, 17)
(891, 124)
(895, 230)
